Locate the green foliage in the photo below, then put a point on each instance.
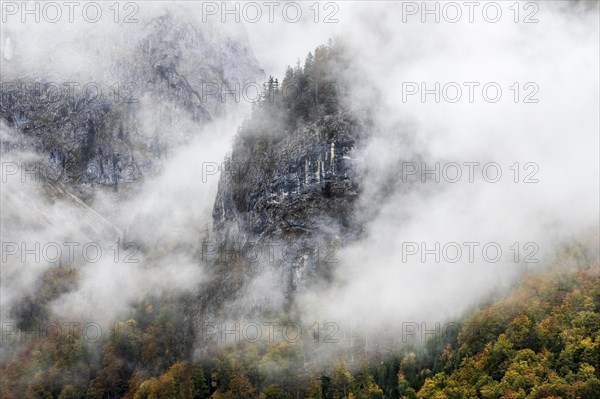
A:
(314, 390)
(33, 309)
(341, 381)
(365, 387)
(238, 387)
(306, 93)
(281, 364)
(71, 392)
(182, 381)
(540, 341)
(274, 392)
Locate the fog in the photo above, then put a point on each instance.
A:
(559, 134)
(375, 283)
(164, 220)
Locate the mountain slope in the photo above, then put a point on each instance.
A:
(111, 133)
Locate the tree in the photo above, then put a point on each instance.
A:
(240, 388)
(365, 387)
(524, 372)
(341, 382)
(314, 389)
(71, 392)
(500, 353)
(308, 63)
(274, 392)
(520, 332)
(182, 381)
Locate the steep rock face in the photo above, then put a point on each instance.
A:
(87, 141)
(287, 196)
(296, 185)
(295, 195)
(285, 205)
(194, 66)
(114, 134)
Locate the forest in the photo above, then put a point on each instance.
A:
(540, 340)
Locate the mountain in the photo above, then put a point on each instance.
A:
(104, 136)
(230, 297)
(287, 194)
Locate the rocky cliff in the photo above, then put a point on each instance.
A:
(110, 133)
(288, 191)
